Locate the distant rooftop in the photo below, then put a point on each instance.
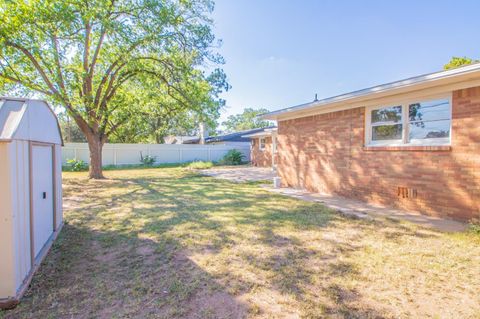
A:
(236, 136)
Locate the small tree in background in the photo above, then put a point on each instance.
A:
(455, 62)
(246, 120)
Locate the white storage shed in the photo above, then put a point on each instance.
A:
(30, 191)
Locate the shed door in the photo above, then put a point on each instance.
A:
(42, 195)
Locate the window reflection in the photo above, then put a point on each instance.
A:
(430, 119)
(387, 114)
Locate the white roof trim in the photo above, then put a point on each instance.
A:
(468, 72)
(266, 132)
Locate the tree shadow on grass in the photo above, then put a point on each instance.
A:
(105, 274)
(127, 252)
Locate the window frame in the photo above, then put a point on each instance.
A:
(405, 122)
(260, 143)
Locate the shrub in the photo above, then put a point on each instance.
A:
(200, 165)
(147, 160)
(233, 157)
(475, 225)
(77, 165)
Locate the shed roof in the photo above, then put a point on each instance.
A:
(28, 119)
(467, 75)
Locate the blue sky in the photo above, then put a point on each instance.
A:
(280, 53)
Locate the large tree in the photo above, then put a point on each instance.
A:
(159, 113)
(84, 54)
(246, 120)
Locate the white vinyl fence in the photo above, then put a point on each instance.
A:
(124, 154)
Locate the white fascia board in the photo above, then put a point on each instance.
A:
(255, 135)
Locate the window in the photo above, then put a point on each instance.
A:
(261, 145)
(387, 124)
(411, 123)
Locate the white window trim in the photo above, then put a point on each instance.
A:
(274, 143)
(260, 143)
(404, 142)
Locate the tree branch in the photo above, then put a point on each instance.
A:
(37, 65)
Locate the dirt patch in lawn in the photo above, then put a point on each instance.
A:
(167, 243)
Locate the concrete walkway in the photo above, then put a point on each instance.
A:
(241, 174)
(363, 210)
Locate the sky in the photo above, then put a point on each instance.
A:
(280, 53)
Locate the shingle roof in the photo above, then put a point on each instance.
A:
(236, 136)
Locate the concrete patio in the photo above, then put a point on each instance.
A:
(241, 174)
(351, 207)
(344, 205)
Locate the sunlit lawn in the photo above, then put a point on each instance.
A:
(168, 243)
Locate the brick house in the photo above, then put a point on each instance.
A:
(263, 147)
(412, 144)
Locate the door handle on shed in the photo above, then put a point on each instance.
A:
(44, 195)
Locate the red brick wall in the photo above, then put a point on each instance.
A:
(325, 153)
(262, 158)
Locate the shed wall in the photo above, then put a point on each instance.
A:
(58, 187)
(20, 185)
(7, 262)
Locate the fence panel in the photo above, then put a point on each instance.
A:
(125, 154)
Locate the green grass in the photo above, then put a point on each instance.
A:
(200, 165)
(169, 243)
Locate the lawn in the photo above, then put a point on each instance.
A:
(168, 243)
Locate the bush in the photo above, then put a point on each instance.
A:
(475, 225)
(233, 157)
(147, 160)
(200, 165)
(77, 165)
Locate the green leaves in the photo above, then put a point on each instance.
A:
(107, 62)
(80, 54)
(456, 62)
(246, 120)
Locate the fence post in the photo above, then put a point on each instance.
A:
(114, 156)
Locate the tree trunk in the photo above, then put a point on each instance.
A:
(95, 145)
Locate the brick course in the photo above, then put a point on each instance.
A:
(326, 153)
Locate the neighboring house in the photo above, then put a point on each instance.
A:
(235, 138)
(263, 147)
(413, 144)
(231, 139)
(179, 139)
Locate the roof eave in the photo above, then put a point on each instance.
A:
(471, 72)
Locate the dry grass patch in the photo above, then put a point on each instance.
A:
(168, 243)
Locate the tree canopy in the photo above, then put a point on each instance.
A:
(100, 58)
(246, 120)
(455, 62)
